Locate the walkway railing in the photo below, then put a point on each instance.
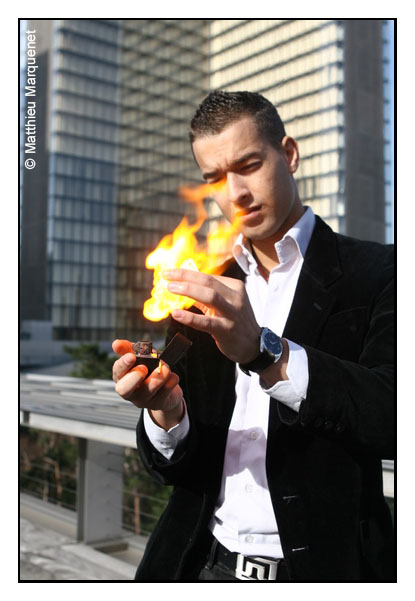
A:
(108, 488)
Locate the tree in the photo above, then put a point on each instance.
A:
(91, 363)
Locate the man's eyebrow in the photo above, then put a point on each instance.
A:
(210, 174)
(246, 157)
(236, 163)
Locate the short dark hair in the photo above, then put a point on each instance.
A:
(219, 109)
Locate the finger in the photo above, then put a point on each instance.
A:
(122, 346)
(153, 391)
(205, 310)
(129, 383)
(222, 285)
(204, 279)
(157, 379)
(141, 390)
(160, 399)
(123, 365)
(207, 296)
(233, 283)
(203, 323)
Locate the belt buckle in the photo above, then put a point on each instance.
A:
(266, 569)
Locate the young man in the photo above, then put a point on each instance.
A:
(274, 427)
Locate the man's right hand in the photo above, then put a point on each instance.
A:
(159, 392)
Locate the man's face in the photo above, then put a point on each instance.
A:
(258, 188)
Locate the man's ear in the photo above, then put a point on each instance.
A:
(291, 153)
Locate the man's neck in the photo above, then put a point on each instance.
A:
(264, 250)
(266, 258)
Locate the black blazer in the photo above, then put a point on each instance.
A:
(324, 463)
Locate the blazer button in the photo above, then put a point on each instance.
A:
(328, 424)
(290, 499)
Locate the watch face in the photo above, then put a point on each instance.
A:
(271, 342)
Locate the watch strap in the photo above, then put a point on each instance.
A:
(262, 361)
(267, 355)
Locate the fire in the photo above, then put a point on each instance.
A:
(181, 249)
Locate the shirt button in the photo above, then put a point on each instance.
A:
(249, 488)
(253, 435)
(249, 538)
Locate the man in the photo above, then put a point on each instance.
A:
(274, 427)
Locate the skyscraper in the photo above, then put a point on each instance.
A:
(326, 77)
(163, 77)
(113, 102)
(69, 216)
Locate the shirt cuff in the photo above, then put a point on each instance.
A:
(293, 391)
(166, 442)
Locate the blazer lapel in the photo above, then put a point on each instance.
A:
(312, 303)
(313, 300)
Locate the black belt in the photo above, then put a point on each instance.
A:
(247, 568)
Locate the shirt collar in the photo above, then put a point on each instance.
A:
(300, 233)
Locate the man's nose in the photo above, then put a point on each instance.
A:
(238, 191)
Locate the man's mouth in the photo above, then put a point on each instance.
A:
(246, 216)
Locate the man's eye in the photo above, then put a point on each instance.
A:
(251, 166)
(211, 181)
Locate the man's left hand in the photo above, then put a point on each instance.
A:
(227, 313)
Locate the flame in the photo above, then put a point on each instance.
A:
(181, 249)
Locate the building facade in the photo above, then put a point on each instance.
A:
(113, 100)
(164, 75)
(113, 103)
(326, 78)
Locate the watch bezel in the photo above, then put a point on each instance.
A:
(263, 344)
(266, 356)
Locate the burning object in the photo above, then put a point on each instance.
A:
(181, 249)
(151, 358)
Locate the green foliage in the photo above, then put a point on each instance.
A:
(48, 470)
(48, 466)
(91, 363)
(153, 496)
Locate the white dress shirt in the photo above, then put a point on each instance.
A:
(244, 520)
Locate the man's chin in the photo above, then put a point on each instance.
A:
(255, 233)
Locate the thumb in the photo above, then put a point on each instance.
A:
(122, 346)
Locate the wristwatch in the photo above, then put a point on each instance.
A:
(270, 350)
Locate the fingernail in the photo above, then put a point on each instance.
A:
(168, 273)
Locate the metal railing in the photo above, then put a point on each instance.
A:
(99, 477)
(44, 479)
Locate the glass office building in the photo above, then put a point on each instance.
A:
(163, 77)
(114, 100)
(83, 172)
(117, 97)
(72, 192)
(326, 78)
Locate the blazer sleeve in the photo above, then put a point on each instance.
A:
(171, 471)
(174, 471)
(354, 401)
